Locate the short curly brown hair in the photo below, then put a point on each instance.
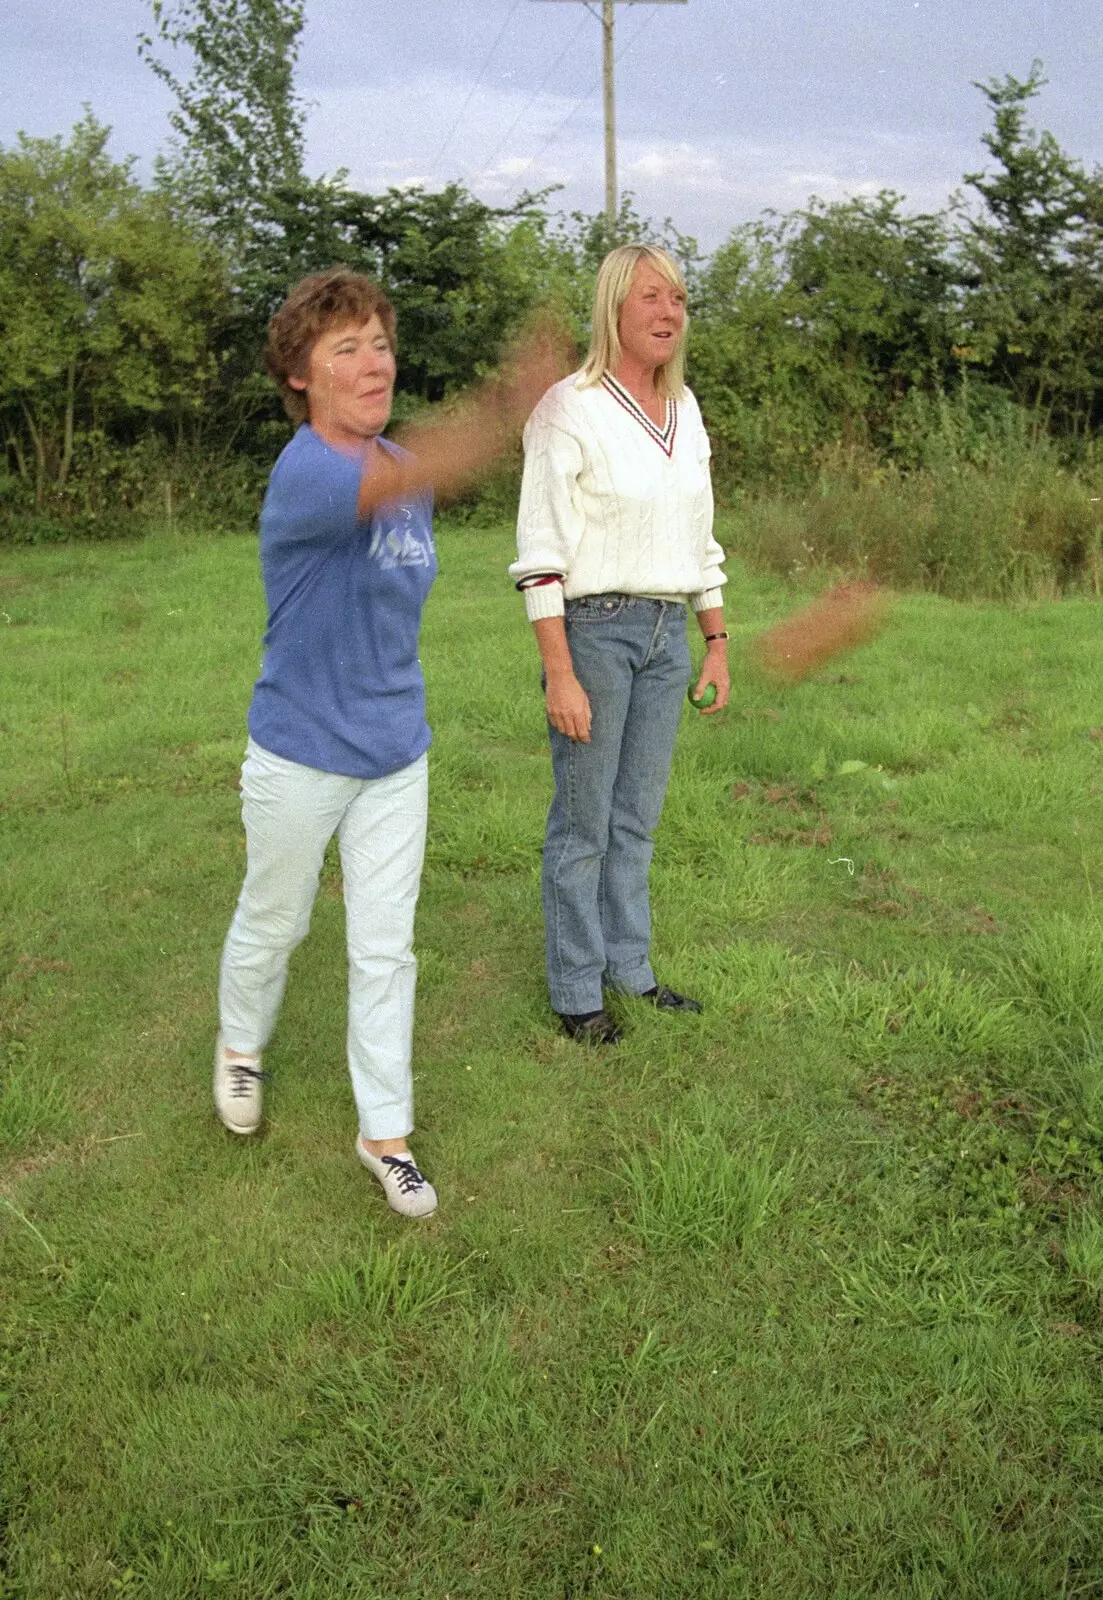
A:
(322, 301)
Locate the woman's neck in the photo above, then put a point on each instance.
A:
(638, 379)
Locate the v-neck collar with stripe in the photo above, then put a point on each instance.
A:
(663, 437)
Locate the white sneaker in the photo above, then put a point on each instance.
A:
(408, 1190)
(238, 1097)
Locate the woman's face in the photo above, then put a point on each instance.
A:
(652, 317)
(349, 383)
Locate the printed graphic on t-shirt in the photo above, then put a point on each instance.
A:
(395, 544)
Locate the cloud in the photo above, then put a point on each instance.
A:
(511, 167)
(684, 164)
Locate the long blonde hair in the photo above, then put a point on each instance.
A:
(614, 280)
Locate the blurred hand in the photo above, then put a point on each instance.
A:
(840, 620)
(539, 356)
(455, 449)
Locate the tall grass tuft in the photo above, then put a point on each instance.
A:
(1058, 971)
(1083, 1250)
(692, 1191)
(32, 1104)
(392, 1283)
(931, 1009)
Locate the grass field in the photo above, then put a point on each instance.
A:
(800, 1297)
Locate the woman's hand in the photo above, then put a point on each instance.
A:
(567, 701)
(568, 707)
(714, 669)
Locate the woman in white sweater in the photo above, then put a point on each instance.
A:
(614, 541)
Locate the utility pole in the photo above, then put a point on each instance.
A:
(612, 198)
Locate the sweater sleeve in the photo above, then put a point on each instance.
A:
(549, 520)
(712, 594)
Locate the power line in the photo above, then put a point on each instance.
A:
(596, 84)
(499, 36)
(531, 101)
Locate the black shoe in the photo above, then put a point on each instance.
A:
(590, 1027)
(664, 999)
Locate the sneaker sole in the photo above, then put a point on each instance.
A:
(242, 1133)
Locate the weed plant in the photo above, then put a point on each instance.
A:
(965, 511)
(798, 1297)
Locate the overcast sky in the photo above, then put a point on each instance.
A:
(724, 107)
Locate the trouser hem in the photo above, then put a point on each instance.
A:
(576, 1004)
(395, 1124)
(638, 983)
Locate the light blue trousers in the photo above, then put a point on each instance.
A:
(632, 658)
(290, 813)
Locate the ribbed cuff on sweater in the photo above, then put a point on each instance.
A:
(543, 600)
(707, 600)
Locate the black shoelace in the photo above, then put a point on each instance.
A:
(240, 1075)
(406, 1174)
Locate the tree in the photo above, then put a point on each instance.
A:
(744, 359)
(458, 283)
(872, 290)
(108, 303)
(239, 119)
(1033, 314)
(461, 274)
(812, 328)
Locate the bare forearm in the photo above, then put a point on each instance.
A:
(714, 669)
(711, 621)
(443, 456)
(555, 653)
(567, 702)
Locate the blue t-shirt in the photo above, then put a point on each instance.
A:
(341, 686)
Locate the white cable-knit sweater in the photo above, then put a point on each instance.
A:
(613, 504)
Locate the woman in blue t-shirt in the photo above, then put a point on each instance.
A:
(337, 731)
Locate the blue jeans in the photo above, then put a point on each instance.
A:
(632, 658)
